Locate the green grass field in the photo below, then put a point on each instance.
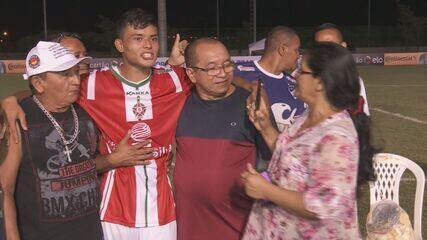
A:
(390, 90)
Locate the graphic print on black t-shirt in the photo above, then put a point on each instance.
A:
(67, 189)
(57, 199)
(63, 190)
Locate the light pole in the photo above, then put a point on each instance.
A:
(254, 21)
(44, 19)
(369, 23)
(217, 19)
(163, 31)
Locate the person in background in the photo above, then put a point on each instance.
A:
(73, 42)
(280, 55)
(329, 32)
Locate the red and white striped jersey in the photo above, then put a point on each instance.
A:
(138, 196)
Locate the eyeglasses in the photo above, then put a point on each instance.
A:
(57, 38)
(213, 71)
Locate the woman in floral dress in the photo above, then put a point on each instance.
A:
(319, 163)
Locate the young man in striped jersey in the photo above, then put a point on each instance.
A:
(143, 103)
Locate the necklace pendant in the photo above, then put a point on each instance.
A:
(67, 152)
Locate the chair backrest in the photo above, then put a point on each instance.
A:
(389, 169)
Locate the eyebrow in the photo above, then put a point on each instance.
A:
(227, 60)
(142, 35)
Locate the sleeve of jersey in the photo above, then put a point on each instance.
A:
(183, 78)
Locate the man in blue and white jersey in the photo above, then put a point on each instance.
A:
(280, 55)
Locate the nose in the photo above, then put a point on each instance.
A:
(147, 44)
(75, 78)
(222, 72)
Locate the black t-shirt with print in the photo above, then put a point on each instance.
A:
(55, 198)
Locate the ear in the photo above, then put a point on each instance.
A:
(344, 44)
(283, 49)
(118, 43)
(190, 73)
(37, 83)
(320, 87)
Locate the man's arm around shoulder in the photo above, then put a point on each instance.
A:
(8, 174)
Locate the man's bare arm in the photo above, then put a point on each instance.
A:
(243, 83)
(8, 174)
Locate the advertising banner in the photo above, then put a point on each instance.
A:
(12, 66)
(405, 58)
(18, 66)
(369, 59)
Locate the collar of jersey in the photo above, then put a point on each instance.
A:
(116, 72)
(280, 76)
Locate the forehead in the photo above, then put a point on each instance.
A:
(56, 75)
(295, 41)
(327, 35)
(130, 30)
(74, 44)
(211, 53)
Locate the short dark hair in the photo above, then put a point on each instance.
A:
(275, 34)
(330, 26)
(336, 68)
(190, 51)
(136, 18)
(58, 36)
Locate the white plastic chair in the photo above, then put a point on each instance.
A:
(389, 169)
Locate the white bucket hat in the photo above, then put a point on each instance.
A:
(49, 57)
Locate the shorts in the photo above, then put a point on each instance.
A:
(113, 231)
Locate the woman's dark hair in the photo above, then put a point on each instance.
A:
(136, 18)
(336, 68)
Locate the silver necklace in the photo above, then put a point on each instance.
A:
(59, 129)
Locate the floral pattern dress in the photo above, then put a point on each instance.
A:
(321, 162)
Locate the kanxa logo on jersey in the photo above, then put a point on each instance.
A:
(138, 103)
(137, 93)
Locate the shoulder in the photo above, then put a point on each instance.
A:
(104, 74)
(341, 126)
(159, 70)
(168, 72)
(26, 102)
(241, 92)
(81, 112)
(288, 77)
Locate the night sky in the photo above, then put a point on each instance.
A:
(22, 18)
